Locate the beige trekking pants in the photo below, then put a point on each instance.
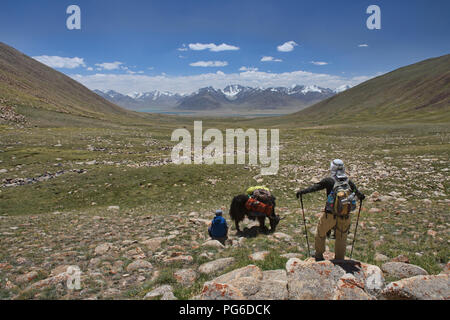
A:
(326, 223)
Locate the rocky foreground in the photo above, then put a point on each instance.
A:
(139, 256)
(324, 280)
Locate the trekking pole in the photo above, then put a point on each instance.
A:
(356, 228)
(304, 222)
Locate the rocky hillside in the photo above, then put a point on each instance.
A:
(26, 83)
(417, 92)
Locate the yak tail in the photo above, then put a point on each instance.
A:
(237, 208)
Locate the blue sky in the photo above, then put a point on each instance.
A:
(135, 45)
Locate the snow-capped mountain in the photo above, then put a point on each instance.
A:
(240, 97)
(232, 96)
(141, 100)
(342, 88)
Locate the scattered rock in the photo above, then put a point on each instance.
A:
(402, 270)
(27, 277)
(446, 269)
(164, 292)
(282, 236)
(103, 248)
(292, 255)
(51, 281)
(112, 208)
(155, 243)
(430, 287)
(374, 210)
(216, 265)
(181, 258)
(139, 265)
(217, 291)
(185, 276)
(432, 233)
(214, 244)
(380, 257)
(258, 256)
(401, 258)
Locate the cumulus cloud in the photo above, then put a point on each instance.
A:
(126, 83)
(270, 59)
(363, 45)
(109, 65)
(61, 62)
(319, 63)
(209, 64)
(212, 47)
(287, 46)
(247, 69)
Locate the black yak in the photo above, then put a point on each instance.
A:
(238, 211)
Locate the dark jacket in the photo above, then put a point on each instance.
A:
(219, 227)
(328, 184)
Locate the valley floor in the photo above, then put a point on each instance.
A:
(102, 198)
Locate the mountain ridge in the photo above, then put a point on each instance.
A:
(232, 96)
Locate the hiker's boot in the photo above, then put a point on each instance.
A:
(319, 257)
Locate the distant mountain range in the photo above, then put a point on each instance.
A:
(231, 97)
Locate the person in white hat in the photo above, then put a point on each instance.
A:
(338, 182)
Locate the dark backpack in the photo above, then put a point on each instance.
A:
(262, 195)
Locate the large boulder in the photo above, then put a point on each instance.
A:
(429, 287)
(247, 283)
(402, 270)
(310, 280)
(336, 279)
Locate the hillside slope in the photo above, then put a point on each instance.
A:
(25, 82)
(420, 91)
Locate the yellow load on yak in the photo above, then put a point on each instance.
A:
(251, 189)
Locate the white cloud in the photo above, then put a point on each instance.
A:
(270, 59)
(61, 62)
(125, 83)
(209, 64)
(287, 46)
(110, 65)
(319, 63)
(363, 45)
(183, 48)
(90, 69)
(212, 47)
(248, 69)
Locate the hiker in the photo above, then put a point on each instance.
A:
(341, 192)
(219, 228)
